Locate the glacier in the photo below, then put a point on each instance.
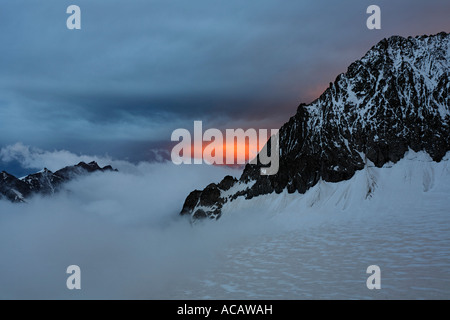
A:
(318, 245)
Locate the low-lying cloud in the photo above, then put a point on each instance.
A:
(122, 228)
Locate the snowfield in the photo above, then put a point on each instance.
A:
(126, 236)
(320, 244)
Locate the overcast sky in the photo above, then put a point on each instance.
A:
(137, 70)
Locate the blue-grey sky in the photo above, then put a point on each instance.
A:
(139, 69)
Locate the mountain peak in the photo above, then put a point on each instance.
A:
(44, 182)
(394, 99)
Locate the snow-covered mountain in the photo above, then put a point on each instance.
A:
(44, 182)
(393, 100)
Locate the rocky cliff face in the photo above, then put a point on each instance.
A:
(393, 99)
(44, 182)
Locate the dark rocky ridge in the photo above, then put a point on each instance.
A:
(393, 99)
(44, 182)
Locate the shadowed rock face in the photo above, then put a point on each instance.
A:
(210, 199)
(44, 182)
(393, 99)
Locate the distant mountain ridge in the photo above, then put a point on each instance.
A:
(394, 99)
(44, 182)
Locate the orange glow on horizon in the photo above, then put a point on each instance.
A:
(241, 150)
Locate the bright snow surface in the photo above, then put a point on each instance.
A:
(321, 243)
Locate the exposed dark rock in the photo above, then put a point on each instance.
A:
(227, 183)
(44, 182)
(199, 214)
(191, 202)
(210, 197)
(13, 189)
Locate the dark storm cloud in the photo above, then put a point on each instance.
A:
(139, 69)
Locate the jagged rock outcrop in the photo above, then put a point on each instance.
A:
(44, 182)
(210, 199)
(393, 99)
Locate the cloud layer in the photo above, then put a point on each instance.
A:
(122, 229)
